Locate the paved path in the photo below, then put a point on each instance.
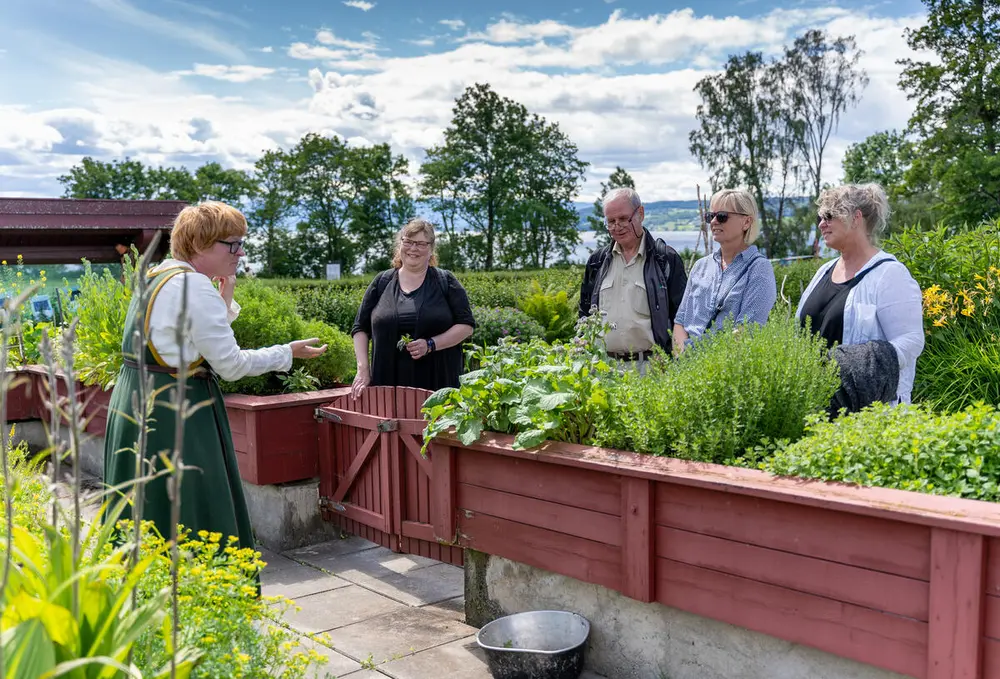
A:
(402, 615)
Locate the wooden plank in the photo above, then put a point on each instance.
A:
(991, 658)
(957, 590)
(551, 482)
(418, 531)
(412, 489)
(414, 450)
(638, 544)
(356, 464)
(327, 458)
(886, 546)
(364, 516)
(886, 641)
(396, 486)
(385, 480)
(583, 523)
(991, 624)
(897, 505)
(444, 494)
(880, 591)
(993, 566)
(574, 557)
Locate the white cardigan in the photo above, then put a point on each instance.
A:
(209, 333)
(885, 305)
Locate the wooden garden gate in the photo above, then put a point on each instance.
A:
(374, 483)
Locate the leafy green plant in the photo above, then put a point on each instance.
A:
(337, 365)
(298, 380)
(100, 312)
(793, 278)
(534, 390)
(725, 394)
(492, 324)
(403, 341)
(555, 310)
(906, 447)
(946, 256)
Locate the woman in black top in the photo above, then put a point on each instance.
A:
(418, 300)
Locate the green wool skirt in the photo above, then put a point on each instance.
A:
(211, 494)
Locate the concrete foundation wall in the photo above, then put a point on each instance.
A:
(634, 640)
(284, 516)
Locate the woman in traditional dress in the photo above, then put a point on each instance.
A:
(414, 298)
(207, 244)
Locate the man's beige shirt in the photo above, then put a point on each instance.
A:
(623, 297)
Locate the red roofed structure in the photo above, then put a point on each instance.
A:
(64, 230)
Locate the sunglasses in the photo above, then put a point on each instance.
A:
(825, 217)
(722, 216)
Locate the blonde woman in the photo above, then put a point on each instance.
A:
(865, 296)
(736, 281)
(415, 300)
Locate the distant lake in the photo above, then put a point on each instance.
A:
(678, 240)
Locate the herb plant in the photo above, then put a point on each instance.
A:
(534, 390)
(555, 310)
(494, 324)
(728, 392)
(906, 447)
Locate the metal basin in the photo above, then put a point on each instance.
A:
(535, 645)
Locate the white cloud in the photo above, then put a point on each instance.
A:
(181, 32)
(360, 4)
(328, 38)
(234, 74)
(267, 50)
(422, 42)
(453, 24)
(581, 77)
(211, 13)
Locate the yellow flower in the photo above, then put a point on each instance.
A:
(19, 274)
(4, 262)
(42, 273)
(940, 322)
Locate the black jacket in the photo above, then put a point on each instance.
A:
(443, 303)
(665, 278)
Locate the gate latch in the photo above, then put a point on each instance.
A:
(319, 415)
(388, 425)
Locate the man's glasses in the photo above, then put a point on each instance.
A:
(722, 216)
(621, 223)
(234, 245)
(418, 244)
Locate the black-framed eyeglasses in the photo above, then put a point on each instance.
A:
(825, 217)
(612, 223)
(418, 244)
(234, 245)
(722, 216)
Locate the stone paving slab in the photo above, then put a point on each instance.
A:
(338, 608)
(298, 581)
(460, 659)
(331, 548)
(375, 563)
(397, 634)
(275, 562)
(430, 585)
(450, 608)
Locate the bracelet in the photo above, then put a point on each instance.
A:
(430, 345)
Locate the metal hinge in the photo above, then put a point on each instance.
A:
(327, 503)
(388, 425)
(319, 415)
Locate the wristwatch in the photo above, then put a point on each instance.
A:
(430, 345)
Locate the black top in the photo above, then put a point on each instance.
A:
(438, 304)
(825, 307)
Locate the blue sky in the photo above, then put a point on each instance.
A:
(186, 82)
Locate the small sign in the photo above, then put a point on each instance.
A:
(332, 272)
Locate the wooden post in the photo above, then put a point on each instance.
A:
(638, 538)
(443, 493)
(957, 605)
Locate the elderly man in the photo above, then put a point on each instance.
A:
(637, 281)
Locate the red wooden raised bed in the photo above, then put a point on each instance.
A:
(898, 580)
(277, 437)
